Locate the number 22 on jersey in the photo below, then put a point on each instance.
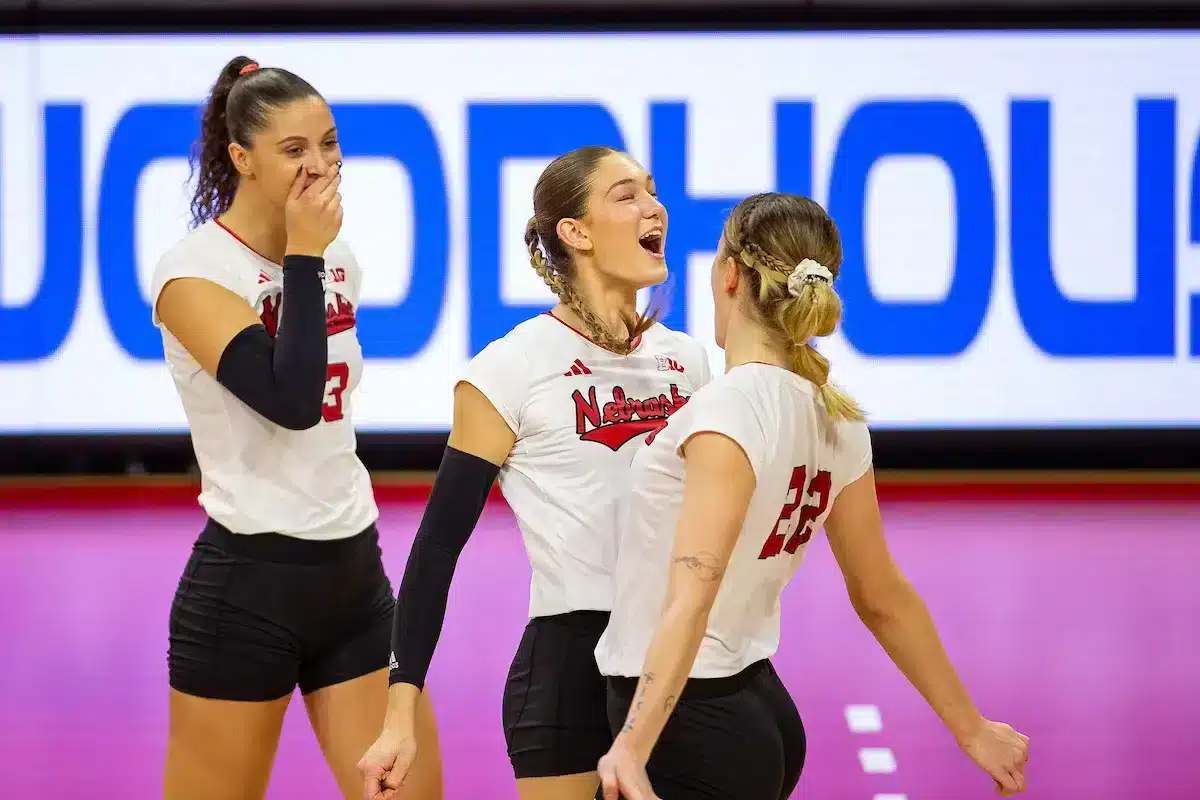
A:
(793, 529)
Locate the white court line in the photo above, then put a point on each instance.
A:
(877, 760)
(864, 719)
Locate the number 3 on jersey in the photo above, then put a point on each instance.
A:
(337, 378)
(789, 533)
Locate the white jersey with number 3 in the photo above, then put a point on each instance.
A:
(255, 476)
(801, 462)
(579, 413)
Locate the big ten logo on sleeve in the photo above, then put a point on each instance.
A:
(668, 364)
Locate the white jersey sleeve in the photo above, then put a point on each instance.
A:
(856, 453)
(705, 366)
(722, 408)
(502, 373)
(182, 262)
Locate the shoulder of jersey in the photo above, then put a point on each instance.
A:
(196, 240)
(662, 336)
(724, 384)
(519, 344)
(540, 347)
(529, 333)
(760, 384)
(199, 247)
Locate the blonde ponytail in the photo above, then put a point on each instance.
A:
(796, 298)
(815, 313)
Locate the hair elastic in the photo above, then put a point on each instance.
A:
(806, 272)
(246, 70)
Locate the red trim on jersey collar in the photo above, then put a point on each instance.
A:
(636, 342)
(242, 242)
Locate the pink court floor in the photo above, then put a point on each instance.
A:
(1073, 616)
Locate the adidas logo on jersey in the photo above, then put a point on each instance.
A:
(577, 368)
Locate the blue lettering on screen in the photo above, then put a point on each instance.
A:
(403, 134)
(1143, 326)
(695, 223)
(143, 135)
(947, 132)
(35, 330)
(146, 134)
(1194, 238)
(1060, 326)
(499, 132)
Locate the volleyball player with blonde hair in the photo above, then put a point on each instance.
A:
(720, 511)
(556, 408)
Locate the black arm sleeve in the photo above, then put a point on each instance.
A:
(284, 380)
(459, 492)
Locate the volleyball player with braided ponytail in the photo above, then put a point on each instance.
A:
(720, 510)
(556, 408)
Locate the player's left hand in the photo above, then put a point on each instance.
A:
(622, 776)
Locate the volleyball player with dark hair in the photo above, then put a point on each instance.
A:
(285, 586)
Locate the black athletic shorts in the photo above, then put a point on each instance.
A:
(735, 738)
(555, 721)
(255, 616)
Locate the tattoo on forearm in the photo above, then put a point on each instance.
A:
(638, 700)
(667, 706)
(706, 566)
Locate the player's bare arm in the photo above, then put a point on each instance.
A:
(894, 613)
(717, 492)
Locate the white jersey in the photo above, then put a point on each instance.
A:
(801, 461)
(579, 413)
(256, 476)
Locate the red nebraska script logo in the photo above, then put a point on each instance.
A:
(622, 419)
(339, 313)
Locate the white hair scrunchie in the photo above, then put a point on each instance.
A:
(806, 272)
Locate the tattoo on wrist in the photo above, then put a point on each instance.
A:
(706, 566)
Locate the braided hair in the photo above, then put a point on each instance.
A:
(561, 193)
(768, 235)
